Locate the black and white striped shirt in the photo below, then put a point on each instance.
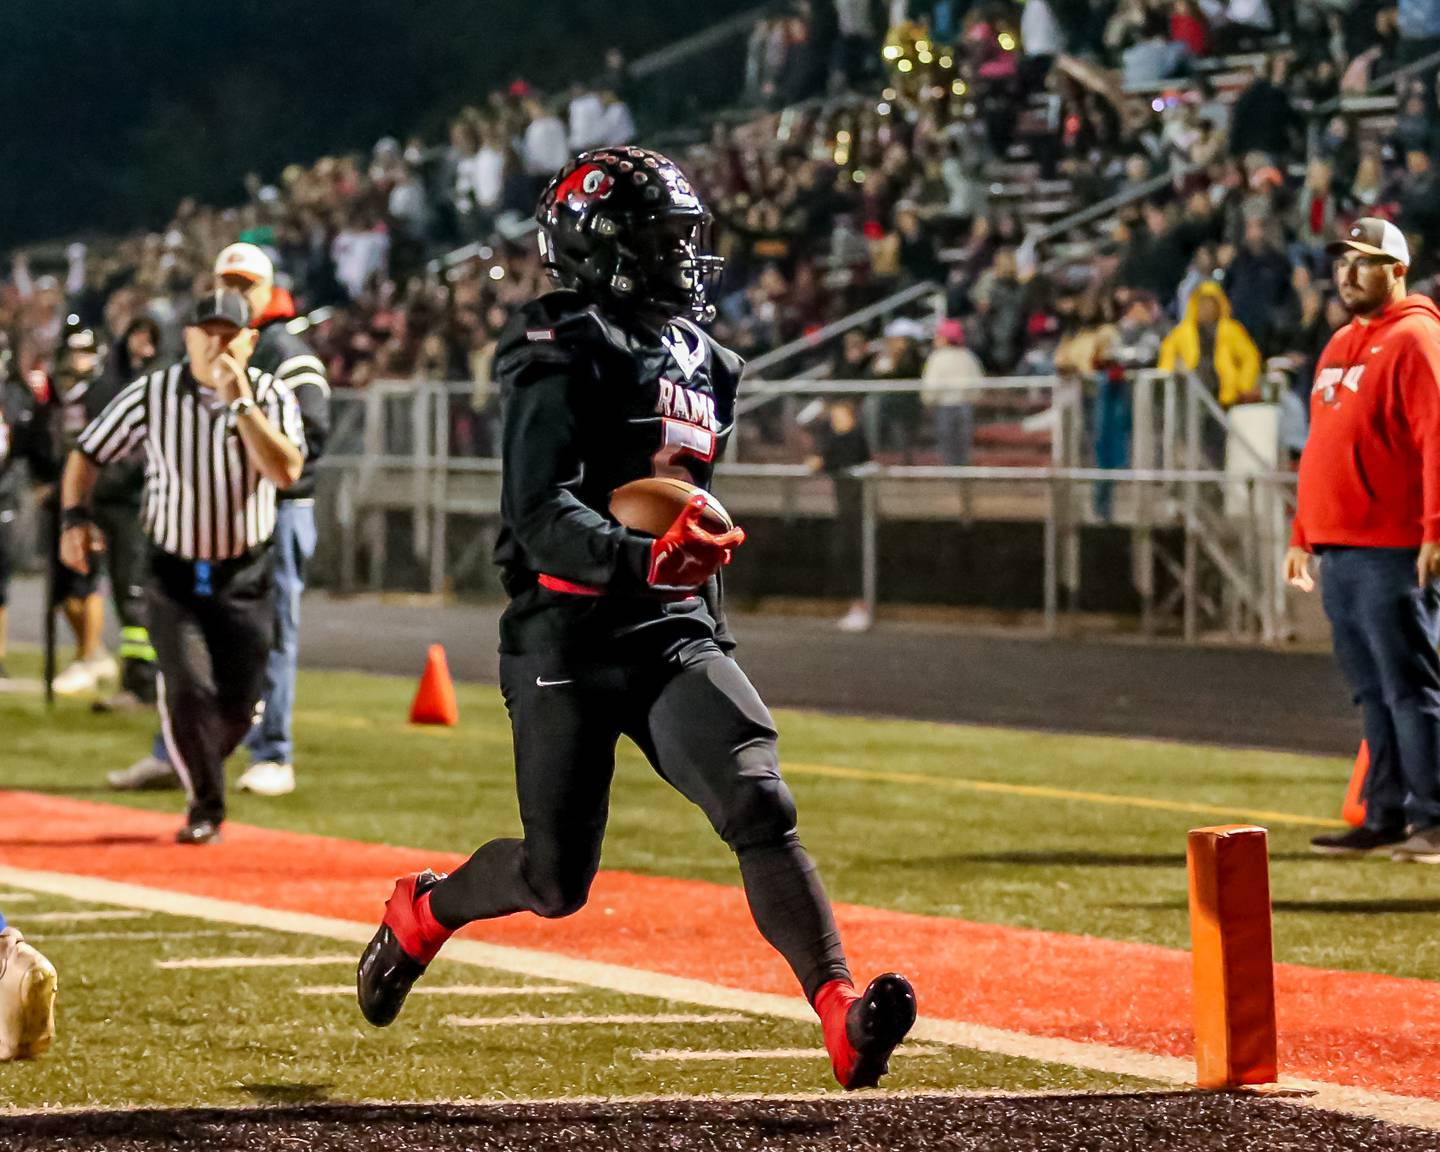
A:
(204, 499)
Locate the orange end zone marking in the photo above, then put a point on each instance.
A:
(1359, 1029)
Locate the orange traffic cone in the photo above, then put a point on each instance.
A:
(435, 698)
(1354, 811)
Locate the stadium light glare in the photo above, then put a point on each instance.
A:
(959, 88)
(947, 61)
(925, 57)
(892, 52)
(1007, 41)
(905, 65)
(497, 273)
(883, 108)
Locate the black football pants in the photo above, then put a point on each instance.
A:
(706, 731)
(211, 638)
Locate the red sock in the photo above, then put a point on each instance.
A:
(832, 1005)
(433, 934)
(414, 925)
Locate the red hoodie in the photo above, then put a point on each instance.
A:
(1370, 472)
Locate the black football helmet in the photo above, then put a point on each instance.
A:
(625, 227)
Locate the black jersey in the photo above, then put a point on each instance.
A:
(25, 434)
(591, 405)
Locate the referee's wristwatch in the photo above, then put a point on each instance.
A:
(241, 407)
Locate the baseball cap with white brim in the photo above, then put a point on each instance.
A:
(245, 260)
(1373, 237)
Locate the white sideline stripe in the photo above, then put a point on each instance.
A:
(86, 914)
(197, 934)
(255, 962)
(614, 1018)
(17, 897)
(690, 1055)
(451, 990)
(655, 985)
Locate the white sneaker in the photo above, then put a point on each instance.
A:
(104, 667)
(266, 778)
(27, 999)
(145, 774)
(77, 679)
(856, 620)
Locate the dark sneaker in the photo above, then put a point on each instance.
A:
(1356, 842)
(1422, 847)
(399, 952)
(874, 1023)
(199, 832)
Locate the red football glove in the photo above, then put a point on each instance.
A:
(687, 555)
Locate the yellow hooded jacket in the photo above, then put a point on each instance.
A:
(1237, 359)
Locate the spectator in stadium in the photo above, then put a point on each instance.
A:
(1257, 280)
(1135, 344)
(950, 364)
(1313, 216)
(1041, 40)
(840, 445)
(1420, 197)
(1368, 507)
(998, 327)
(546, 143)
(1215, 347)
(900, 413)
(1264, 119)
(117, 502)
(25, 437)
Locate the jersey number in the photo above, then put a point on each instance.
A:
(682, 439)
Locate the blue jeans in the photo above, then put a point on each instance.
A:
(1385, 631)
(1113, 419)
(294, 544)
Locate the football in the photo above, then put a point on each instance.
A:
(651, 506)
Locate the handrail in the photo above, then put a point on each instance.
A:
(1428, 63)
(813, 340)
(706, 38)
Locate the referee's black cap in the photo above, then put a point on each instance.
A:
(220, 307)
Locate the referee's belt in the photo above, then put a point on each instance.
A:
(570, 588)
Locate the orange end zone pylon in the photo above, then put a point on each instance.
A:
(435, 698)
(1353, 813)
(1233, 956)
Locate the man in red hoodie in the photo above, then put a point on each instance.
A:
(1369, 505)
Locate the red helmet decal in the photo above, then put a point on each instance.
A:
(586, 183)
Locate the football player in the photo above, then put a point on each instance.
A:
(609, 379)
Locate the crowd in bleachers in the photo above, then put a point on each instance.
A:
(886, 145)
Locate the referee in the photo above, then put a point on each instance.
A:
(219, 438)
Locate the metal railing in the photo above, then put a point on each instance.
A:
(765, 366)
(1207, 544)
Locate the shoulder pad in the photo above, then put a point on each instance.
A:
(549, 333)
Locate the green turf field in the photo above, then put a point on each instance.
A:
(928, 842)
(135, 1034)
(899, 815)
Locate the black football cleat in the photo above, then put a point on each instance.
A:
(396, 956)
(199, 832)
(874, 1025)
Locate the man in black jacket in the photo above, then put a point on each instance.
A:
(24, 435)
(247, 269)
(117, 513)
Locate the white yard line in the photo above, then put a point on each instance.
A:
(83, 914)
(451, 990)
(638, 1019)
(656, 985)
(16, 898)
(255, 962)
(724, 1056)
